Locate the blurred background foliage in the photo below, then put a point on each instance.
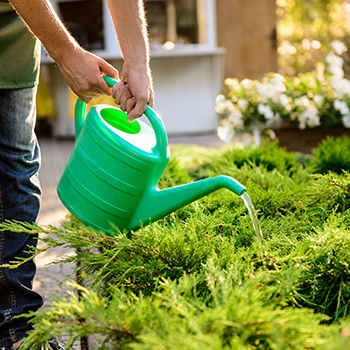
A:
(305, 29)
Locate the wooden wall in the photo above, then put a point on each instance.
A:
(247, 29)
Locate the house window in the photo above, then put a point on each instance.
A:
(175, 21)
(84, 19)
(171, 23)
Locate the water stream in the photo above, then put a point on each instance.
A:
(248, 203)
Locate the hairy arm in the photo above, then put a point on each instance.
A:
(81, 69)
(135, 89)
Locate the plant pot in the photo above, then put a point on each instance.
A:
(296, 140)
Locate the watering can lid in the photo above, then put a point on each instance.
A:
(137, 133)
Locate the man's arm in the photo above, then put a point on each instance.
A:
(80, 69)
(135, 89)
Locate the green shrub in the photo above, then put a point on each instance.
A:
(333, 154)
(268, 155)
(199, 278)
(233, 313)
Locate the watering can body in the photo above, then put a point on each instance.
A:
(111, 178)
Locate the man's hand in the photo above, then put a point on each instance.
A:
(134, 92)
(135, 89)
(82, 72)
(81, 69)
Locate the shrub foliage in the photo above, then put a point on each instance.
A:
(198, 278)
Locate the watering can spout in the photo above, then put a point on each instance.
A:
(157, 203)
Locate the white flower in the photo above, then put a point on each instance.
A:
(333, 60)
(341, 86)
(235, 118)
(247, 83)
(337, 71)
(283, 100)
(271, 89)
(266, 111)
(335, 65)
(346, 120)
(222, 132)
(318, 99)
(242, 104)
(223, 106)
(220, 98)
(341, 106)
(313, 119)
(265, 91)
(277, 85)
(225, 134)
(279, 77)
(338, 47)
(309, 118)
(303, 102)
(233, 84)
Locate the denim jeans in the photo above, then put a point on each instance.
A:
(20, 198)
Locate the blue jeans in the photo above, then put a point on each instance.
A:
(20, 198)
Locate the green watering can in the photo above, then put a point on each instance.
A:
(112, 175)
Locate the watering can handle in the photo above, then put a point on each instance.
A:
(152, 116)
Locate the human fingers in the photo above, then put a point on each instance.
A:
(140, 84)
(86, 99)
(130, 104)
(86, 94)
(83, 85)
(124, 100)
(96, 85)
(110, 71)
(138, 108)
(118, 90)
(83, 71)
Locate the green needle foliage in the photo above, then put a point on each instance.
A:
(333, 154)
(199, 279)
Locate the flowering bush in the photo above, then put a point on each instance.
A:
(321, 97)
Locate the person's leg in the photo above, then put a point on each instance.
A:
(20, 198)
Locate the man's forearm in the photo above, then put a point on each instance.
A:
(129, 21)
(82, 69)
(43, 21)
(136, 88)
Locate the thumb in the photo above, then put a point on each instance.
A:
(138, 110)
(109, 70)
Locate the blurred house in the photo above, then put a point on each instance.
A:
(195, 45)
(247, 30)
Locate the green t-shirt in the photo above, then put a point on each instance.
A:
(19, 51)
